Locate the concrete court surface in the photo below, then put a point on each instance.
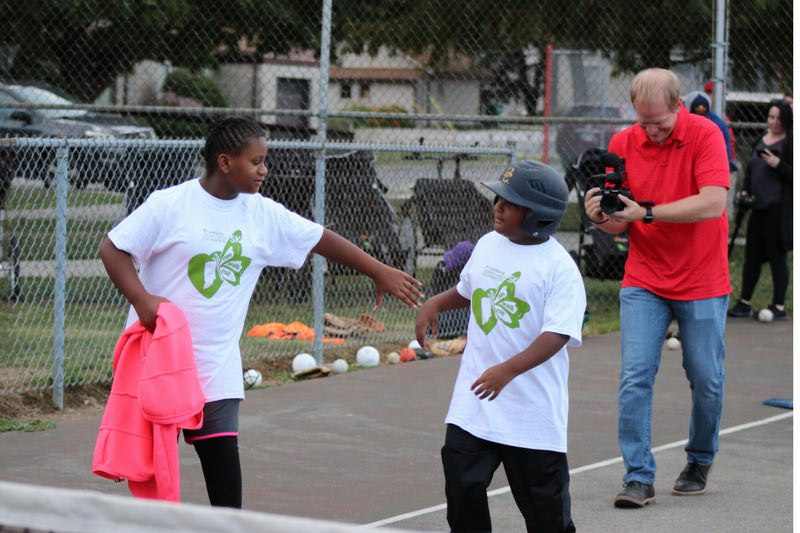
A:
(364, 447)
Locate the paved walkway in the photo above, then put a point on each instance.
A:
(364, 447)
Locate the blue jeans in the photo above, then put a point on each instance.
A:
(644, 319)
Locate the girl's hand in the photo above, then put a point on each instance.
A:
(492, 382)
(397, 283)
(147, 310)
(771, 159)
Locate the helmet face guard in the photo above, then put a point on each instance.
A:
(538, 187)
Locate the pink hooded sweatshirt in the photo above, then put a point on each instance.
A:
(155, 393)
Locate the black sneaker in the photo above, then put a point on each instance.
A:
(740, 310)
(777, 314)
(692, 480)
(635, 494)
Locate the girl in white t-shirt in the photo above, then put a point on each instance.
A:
(526, 300)
(202, 245)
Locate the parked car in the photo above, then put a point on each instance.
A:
(573, 138)
(95, 164)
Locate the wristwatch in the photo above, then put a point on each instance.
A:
(648, 216)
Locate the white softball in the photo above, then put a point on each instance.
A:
(368, 356)
(303, 361)
(393, 357)
(252, 378)
(765, 315)
(673, 343)
(339, 366)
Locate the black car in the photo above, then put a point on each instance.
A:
(574, 138)
(88, 164)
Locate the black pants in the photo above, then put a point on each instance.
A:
(539, 481)
(764, 244)
(219, 457)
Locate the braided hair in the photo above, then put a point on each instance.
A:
(228, 136)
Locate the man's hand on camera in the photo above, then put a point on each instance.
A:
(632, 212)
(592, 206)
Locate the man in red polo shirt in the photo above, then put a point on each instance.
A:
(677, 268)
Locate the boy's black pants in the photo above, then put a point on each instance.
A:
(539, 481)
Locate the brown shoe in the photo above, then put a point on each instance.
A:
(692, 480)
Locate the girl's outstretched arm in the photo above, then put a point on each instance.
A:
(389, 280)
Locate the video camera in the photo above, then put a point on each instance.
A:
(612, 184)
(745, 201)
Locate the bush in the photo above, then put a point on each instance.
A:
(380, 122)
(184, 88)
(185, 84)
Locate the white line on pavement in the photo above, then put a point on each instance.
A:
(593, 466)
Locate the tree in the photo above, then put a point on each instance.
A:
(499, 35)
(640, 34)
(633, 34)
(761, 45)
(83, 45)
(495, 36)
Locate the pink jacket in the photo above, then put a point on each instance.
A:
(155, 393)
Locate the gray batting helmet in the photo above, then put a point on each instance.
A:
(538, 187)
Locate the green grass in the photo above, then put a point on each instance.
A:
(762, 297)
(37, 238)
(572, 219)
(28, 198)
(25, 425)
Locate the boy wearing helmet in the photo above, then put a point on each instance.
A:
(510, 400)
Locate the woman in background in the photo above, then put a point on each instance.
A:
(768, 189)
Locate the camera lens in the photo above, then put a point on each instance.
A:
(610, 203)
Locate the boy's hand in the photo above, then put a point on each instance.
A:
(492, 382)
(147, 310)
(397, 283)
(428, 317)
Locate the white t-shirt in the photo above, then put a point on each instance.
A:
(517, 292)
(205, 255)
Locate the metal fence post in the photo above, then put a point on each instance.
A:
(720, 45)
(318, 280)
(62, 167)
(512, 157)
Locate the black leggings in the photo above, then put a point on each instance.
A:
(219, 457)
(764, 245)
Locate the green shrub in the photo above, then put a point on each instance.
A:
(380, 122)
(184, 88)
(196, 86)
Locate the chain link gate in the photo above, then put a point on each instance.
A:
(419, 93)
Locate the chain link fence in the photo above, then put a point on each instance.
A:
(422, 99)
(62, 315)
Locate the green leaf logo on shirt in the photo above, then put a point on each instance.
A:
(491, 305)
(207, 272)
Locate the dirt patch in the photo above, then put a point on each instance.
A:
(39, 404)
(278, 371)
(92, 398)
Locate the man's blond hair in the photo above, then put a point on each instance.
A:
(651, 84)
